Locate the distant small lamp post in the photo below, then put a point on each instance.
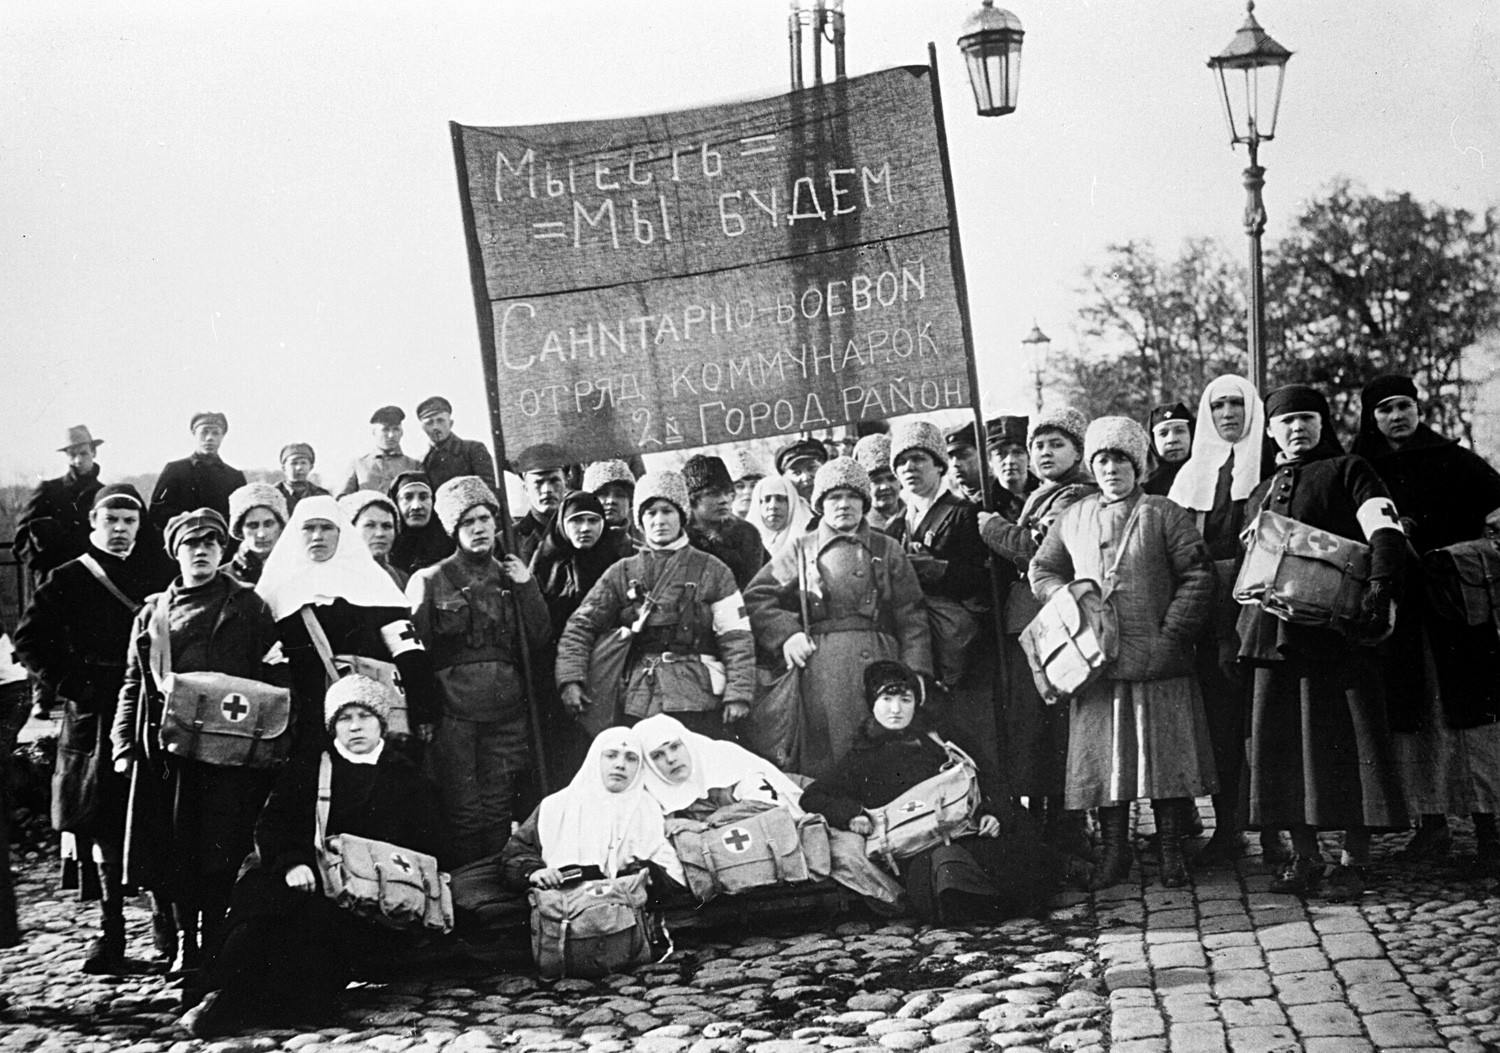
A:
(1250, 72)
(1038, 347)
(991, 44)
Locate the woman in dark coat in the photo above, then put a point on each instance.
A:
(1450, 746)
(289, 950)
(190, 822)
(1320, 752)
(323, 567)
(1001, 871)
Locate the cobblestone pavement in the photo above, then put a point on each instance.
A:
(1222, 965)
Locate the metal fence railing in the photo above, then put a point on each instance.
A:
(15, 585)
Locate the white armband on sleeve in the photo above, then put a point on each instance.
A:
(401, 637)
(1378, 513)
(730, 615)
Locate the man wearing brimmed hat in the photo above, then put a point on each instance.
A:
(74, 638)
(1010, 464)
(378, 469)
(421, 540)
(202, 480)
(963, 463)
(465, 609)
(543, 468)
(54, 526)
(297, 460)
(712, 526)
(449, 456)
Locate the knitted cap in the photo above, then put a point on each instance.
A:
(297, 449)
(873, 452)
(661, 486)
(918, 435)
(187, 525)
(743, 464)
(703, 472)
(886, 675)
(601, 473)
(1065, 419)
(458, 495)
(208, 417)
(353, 505)
(255, 495)
(119, 495)
(1120, 434)
(841, 473)
(356, 690)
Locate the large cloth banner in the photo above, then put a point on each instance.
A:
(718, 274)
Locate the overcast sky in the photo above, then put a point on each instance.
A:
(253, 208)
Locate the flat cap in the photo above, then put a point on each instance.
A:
(540, 457)
(297, 449)
(208, 417)
(388, 415)
(187, 525)
(436, 404)
(800, 449)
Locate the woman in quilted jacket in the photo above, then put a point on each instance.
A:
(290, 950)
(1140, 732)
(999, 870)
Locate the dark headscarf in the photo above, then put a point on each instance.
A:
(1371, 443)
(1157, 470)
(1299, 398)
(564, 572)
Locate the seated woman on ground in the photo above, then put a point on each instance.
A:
(1000, 871)
(603, 823)
(289, 950)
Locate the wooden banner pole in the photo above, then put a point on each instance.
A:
(486, 322)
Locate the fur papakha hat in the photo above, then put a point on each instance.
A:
(873, 452)
(743, 464)
(601, 473)
(458, 495)
(918, 435)
(661, 486)
(254, 495)
(1117, 433)
(353, 505)
(705, 472)
(1065, 419)
(356, 690)
(841, 473)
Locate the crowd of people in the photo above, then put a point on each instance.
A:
(629, 635)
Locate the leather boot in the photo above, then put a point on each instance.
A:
(106, 956)
(1114, 828)
(1171, 825)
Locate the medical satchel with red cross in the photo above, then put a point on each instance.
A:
(745, 845)
(1301, 574)
(933, 812)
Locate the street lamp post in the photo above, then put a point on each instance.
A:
(1038, 346)
(991, 44)
(1248, 97)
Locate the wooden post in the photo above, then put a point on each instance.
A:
(14, 702)
(486, 321)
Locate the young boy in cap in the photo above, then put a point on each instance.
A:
(297, 460)
(464, 609)
(543, 469)
(713, 526)
(378, 469)
(202, 480)
(449, 456)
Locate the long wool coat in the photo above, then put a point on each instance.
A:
(1140, 732)
(864, 603)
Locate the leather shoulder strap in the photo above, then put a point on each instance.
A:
(92, 566)
(320, 643)
(325, 797)
(160, 635)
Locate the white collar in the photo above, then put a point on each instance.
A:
(373, 757)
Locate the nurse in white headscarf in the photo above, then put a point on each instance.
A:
(685, 769)
(328, 594)
(602, 822)
(1214, 484)
(779, 512)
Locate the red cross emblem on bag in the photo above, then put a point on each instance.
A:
(913, 806)
(235, 708)
(398, 860)
(1322, 543)
(737, 839)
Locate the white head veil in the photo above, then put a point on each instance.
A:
(798, 512)
(715, 764)
(292, 579)
(584, 824)
(1194, 486)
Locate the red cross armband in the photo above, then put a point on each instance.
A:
(1378, 513)
(401, 637)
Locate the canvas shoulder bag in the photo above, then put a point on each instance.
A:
(745, 845)
(1074, 637)
(378, 881)
(774, 728)
(592, 928)
(1463, 582)
(338, 666)
(227, 721)
(933, 812)
(1301, 574)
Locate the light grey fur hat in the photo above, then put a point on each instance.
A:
(841, 473)
(254, 495)
(458, 495)
(601, 473)
(1065, 419)
(1117, 433)
(661, 486)
(873, 452)
(356, 690)
(918, 435)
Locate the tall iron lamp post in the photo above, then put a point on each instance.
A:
(1250, 72)
(1038, 346)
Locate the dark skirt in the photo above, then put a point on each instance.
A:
(983, 878)
(1321, 751)
(1033, 735)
